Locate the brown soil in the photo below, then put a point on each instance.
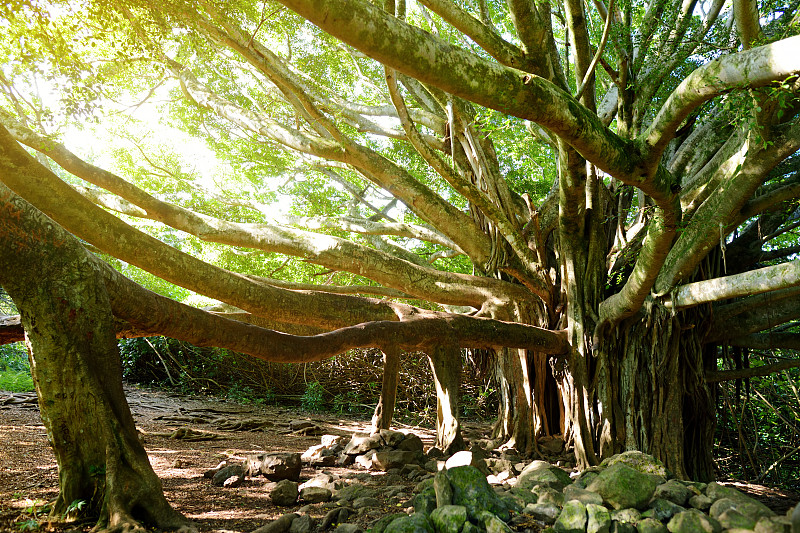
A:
(29, 476)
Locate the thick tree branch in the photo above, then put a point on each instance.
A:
(748, 283)
(771, 313)
(757, 67)
(768, 341)
(744, 373)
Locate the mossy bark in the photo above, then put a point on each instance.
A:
(77, 370)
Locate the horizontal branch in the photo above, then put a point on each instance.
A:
(748, 283)
(768, 341)
(744, 373)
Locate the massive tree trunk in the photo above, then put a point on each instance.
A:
(77, 371)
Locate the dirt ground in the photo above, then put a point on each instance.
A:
(29, 476)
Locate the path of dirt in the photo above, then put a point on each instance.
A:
(29, 477)
(28, 472)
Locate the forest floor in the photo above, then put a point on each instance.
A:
(29, 476)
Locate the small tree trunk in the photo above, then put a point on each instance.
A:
(446, 366)
(77, 371)
(384, 411)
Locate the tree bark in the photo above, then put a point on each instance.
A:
(77, 371)
(446, 366)
(384, 411)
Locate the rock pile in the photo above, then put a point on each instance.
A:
(474, 491)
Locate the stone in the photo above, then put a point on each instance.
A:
(364, 461)
(494, 524)
(674, 491)
(701, 502)
(662, 509)
(627, 516)
(622, 486)
(389, 459)
(302, 524)
(324, 481)
(411, 443)
(744, 504)
(543, 473)
(299, 425)
(442, 489)
(651, 525)
(731, 518)
(348, 528)
(284, 493)
(355, 490)
(391, 437)
(320, 455)
(545, 512)
(380, 525)
(425, 501)
(572, 518)
(315, 494)
(717, 492)
(448, 518)
(360, 444)
(335, 516)
(366, 502)
(586, 477)
(693, 521)
(572, 492)
(552, 445)
(774, 524)
(333, 440)
(641, 462)
(471, 490)
(622, 527)
(598, 519)
(415, 523)
(274, 466)
(280, 525)
(549, 495)
(228, 476)
(469, 527)
(525, 496)
(465, 458)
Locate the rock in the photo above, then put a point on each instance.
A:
(348, 528)
(622, 486)
(365, 461)
(549, 495)
(598, 519)
(572, 492)
(448, 518)
(469, 527)
(320, 455)
(391, 437)
(674, 491)
(494, 524)
(543, 473)
(333, 440)
(274, 466)
(302, 524)
(471, 490)
(411, 443)
(701, 502)
(360, 444)
(228, 476)
(572, 518)
(366, 502)
(209, 474)
(627, 516)
(651, 525)
(284, 493)
(545, 512)
(641, 462)
(350, 492)
(442, 489)
(774, 524)
(552, 445)
(467, 458)
(693, 521)
(281, 525)
(662, 510)
(415, 523)
(324, 481)
(622, 527)
(335, 516)
(387, 460)
(586, 477)
(744, 504)
(425, 501)
(731, 518)
(379, 526)
(315, 494)
(298, 425)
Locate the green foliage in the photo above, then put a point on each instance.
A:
(15, 372)
(313, 399)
